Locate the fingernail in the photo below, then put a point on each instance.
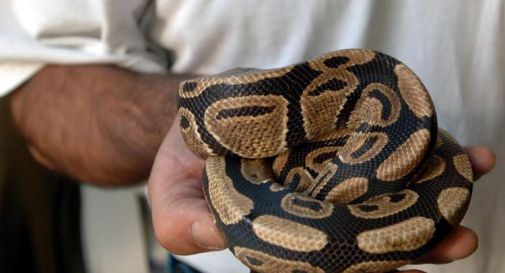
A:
(207, 236)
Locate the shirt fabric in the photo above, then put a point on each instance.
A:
(455, 47)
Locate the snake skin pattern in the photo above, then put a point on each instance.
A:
(331, 165)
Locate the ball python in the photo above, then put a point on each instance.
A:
(335, 164)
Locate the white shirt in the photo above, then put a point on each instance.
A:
(455, 46)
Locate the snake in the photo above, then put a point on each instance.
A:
(335, 164)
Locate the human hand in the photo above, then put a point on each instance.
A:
(183, 225)
(181, 219)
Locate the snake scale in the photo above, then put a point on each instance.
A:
(336, 164)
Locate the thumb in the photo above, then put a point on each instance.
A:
(181, 220)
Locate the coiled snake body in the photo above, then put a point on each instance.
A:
(331, 165)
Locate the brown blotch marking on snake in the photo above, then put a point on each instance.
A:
(336, 134)
(293, 236)
(313, 158)
(262, 262)
(361, 147)
(189, 131)
(323, 178)
(195, 87)
(348, 190)
(230, 205)
(406, 157)
(370, 110)
(384, 205)
(375, 266)
(435, 166)
(255, 171)
(325, 96)
(252, 136)
(413, 92)
(302, 176)
(320, 112)
(280, 162)
(408, 235)
(463, 166)
(191, 88)
(342, 59)
(452, 203)
(304, 206)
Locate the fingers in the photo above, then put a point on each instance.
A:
(482, 160)
(461, 243)
(181, 219)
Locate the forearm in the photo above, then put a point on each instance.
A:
(100, 124)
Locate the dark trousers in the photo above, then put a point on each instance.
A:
(39, 210)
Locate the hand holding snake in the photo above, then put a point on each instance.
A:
(358, 138)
